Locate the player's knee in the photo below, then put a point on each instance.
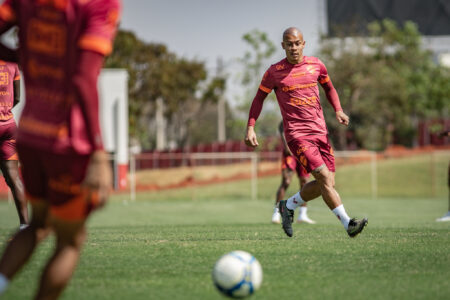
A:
(323, 176)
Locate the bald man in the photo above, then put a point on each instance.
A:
(295, 81)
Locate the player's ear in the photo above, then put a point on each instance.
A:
(282, 45)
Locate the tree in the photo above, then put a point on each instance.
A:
(386, 83)
(155, 72)
(254, 62)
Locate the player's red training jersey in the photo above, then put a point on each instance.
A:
(51, 34)
(9, 72)
(297, 92)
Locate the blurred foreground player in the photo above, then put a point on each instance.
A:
(9, 163)
(289, 165)
(295, 81)
(65, 169)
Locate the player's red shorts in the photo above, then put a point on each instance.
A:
(8, 141)
(312, 151)
(55, 179)
(289, 162)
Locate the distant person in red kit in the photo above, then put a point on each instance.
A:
(66, 171)
(295, 80)
(289, 165)
(9, 163)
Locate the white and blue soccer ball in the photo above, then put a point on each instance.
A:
(237, 274)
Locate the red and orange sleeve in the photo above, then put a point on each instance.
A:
(330, 91)
(102, 21)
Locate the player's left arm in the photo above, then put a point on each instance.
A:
(16, 86)
(332, 95)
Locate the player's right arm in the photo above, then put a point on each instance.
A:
(94, 44)
(265, 88)
(7, 21)
(255, 111)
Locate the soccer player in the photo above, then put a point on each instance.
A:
(65, 169)
(288, 165)
(295, 81)
(9, 163)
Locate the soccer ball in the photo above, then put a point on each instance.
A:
(237, 274)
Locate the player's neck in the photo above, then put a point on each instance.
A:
(297, 61)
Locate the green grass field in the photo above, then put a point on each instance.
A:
(164, 245)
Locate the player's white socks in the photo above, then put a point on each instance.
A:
(302, 213)
(342, 215)
(3, 283)
(295, 201)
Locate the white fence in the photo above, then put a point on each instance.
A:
(194, 160)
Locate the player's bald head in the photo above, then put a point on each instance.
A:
(292, 31)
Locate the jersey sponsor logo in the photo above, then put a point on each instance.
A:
(58, 4)
(280, 67)
(300, 74)
(311, 69)
(298, 86)
(46, 95)
(305, 101)
(4, 78)
(40, 128)
(37, 70)
(46, 38)
(50, 14)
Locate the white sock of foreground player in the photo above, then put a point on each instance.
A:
(342, 215)
(294, 201)
(3, 283)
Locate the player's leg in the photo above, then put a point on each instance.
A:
(9, 166)
(303, 177)
(70, 237)
(10, 170)
(324, 174)
(71, 205)
(286, 177)
(22, 245)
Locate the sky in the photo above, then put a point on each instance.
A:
(208, 29)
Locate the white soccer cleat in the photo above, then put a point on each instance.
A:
(445, 218)
(23, 226)
(276, 217)
(305, 219)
